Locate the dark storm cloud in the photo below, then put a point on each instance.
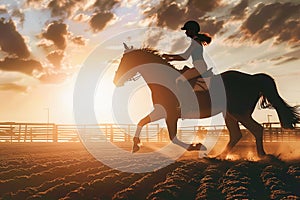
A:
(99, 20)
(11, 40)
(56, 32)
(277, 20)
(13, 87)
(20, 65)
(239, 11)
(55, 57)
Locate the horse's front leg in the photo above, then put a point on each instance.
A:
(157, 114)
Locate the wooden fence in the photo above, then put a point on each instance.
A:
(43, 132)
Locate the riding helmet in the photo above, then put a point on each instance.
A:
(191, 25)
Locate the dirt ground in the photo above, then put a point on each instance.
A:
(68, 171)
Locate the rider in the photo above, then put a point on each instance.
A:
(195, 50)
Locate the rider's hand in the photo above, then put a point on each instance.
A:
(166, 57)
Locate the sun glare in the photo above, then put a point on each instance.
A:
(103, 99)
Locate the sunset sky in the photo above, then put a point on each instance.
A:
(44, 43)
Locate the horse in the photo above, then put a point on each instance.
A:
(241, 91)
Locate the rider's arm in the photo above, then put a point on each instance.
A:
(180, 57)
(173, 57)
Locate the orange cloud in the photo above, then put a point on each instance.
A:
(20, 65)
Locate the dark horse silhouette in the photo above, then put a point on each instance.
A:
(241, 94)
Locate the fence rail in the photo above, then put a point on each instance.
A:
(44, 132)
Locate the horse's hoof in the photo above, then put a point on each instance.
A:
(135, 148)
(221, 157)
(197, 147)
(269, 158)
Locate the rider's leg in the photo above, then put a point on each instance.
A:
(185, 90)
(188, 74)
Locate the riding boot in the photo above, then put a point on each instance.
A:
(185, 96)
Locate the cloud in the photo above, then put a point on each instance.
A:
(166, 16)
(286, 60)
(80, 40)
(56, 32)
(278, 20)
(17, 13)
(179, 44)
(13, 87)
(239, 11)
(287, 57)
(53, 78)
(197, 9)
(11, 40)
(81, 17)
(105, 5)
(55, 57)
(63, 8)
(153, 38)
(173, 15)
(99, 20)
(211, 26)
(20, 65)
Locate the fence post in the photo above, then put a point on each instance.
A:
(111, 133)
(30, 134)
(11, 133)
(19, 138)
(55, 133)
(128, 133)
(25, 137)
(147, 133)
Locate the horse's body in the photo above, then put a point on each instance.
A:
(236, 100)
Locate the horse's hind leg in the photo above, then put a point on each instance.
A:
(172, 129)
(234, 134)
(257, 130)
(156, 114)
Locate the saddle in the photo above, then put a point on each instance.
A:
(202, 82)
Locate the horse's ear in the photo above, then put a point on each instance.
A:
(125, 46)
(127, 49)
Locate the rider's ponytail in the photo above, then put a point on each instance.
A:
(204, 38)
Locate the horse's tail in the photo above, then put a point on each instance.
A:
(287, 114)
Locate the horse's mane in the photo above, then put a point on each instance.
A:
(156, 53)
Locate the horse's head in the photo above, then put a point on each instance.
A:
(125, 71)
(131, 60)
